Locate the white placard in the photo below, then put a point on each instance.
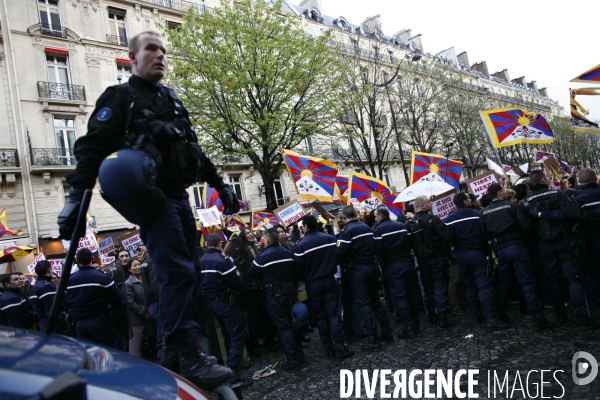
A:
(107, 246)
(57, 265)
(357, 205)
(479, 184)
(443, 205)
(31, 267)
(290, 212)
(209, 217)
(131, 244)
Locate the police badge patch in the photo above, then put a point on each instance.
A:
(104, 114)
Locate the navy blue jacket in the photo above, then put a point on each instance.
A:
(391, 242)
(219, 273)
(274, 265)
(14, 310)
(316, 256)
(589, 200)
(90, 293)
(355, 243)
(41, 297)
(466, 228)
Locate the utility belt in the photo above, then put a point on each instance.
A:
(224, 298)
(89, 315)
(396, 259)
(280, 289)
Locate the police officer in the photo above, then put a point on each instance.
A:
(394, 251)
(472, 254)
(219, 277)
(90, 296)
(42, 296)
(146, 116)
(356, 250)
(14, 309)
(554, 216)
(505, 225)
(274, 267)
(427, 232)
(316, 265)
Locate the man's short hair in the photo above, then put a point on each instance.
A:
(84, 256)
(485, 200)
(493, 190)
(419, 201)
(310, 221)
(5, 278)
(383, 211)
(42, 267)
(280, 226)
(213, 240)
(536, 177)
(134, 42)
(586, 175)
(520, 191)
(459, 199)
(349, 212)
(272, 235)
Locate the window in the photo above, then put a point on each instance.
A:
(391, 56)
(123, 72)
(66, 189)
(376, 52)
(279, 192)
(118, 30)
(173, 25)
(386, 177)
(58, 69)
(50, 17)
(66, 134)
(236, 183)
(198, 190)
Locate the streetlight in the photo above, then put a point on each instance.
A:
(415, 57)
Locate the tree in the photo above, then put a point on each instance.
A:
(254, 83)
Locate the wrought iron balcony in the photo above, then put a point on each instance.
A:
(119, 41)
(63, 91)
(9, 158)
(179, 5)
(53, 157)
(53, 30)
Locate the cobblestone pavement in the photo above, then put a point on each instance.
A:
(516, 350)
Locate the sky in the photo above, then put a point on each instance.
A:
(550, 42)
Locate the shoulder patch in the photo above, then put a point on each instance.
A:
(104, 114)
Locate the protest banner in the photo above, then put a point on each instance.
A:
(31, 267)
(358, 205)
(478, 185)
(132, 243)
(209, 217)
(442, 204)
(57, 264)
(290, 212)
(106, 246)
(107, 261)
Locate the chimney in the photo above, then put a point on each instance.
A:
(482, 68)
(519, 81)
(502, 75)
(463, 59)
(533, 85)
(374, 23)
(544, 92)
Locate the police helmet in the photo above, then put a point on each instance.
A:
(300, 313)
(128, 183)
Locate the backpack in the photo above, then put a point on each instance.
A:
(419, 233)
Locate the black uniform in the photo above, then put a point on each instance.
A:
(90, 296)
(40, 299)
(14, 309)
(554, 216)
(589, 229)
(219, 275)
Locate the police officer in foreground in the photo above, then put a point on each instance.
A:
(554, 215)
(90, 296)
(316, 265)
(472, 253)
(145, 181)
(505, 226)
(427, 232)
(274, 267)
(14, 309)
(356, 251)
(42, 296)
(394, 251)
(219, 278)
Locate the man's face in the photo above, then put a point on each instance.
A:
(142, 253)
(124, 257)
(282, 235)
(467, 203)
(16, 282)
(378, 217)
(426, 206)
(150, 61)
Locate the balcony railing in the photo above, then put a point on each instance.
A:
(119, 41)
(63, 91)
(50, 157)
(9, 158)
(53, 30)
(179, 5)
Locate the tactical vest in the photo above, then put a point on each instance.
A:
(168, 138)
(547, 201)
(423, 237)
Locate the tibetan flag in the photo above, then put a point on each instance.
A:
(264, 218)
(341, 187)
(589, 76)
(540, 156)
(4, 226)
(314, 178)
(210, 197)
(579, 115)
(511, 126)
(372, 192)
(235, 225)
(242, 205)
(425, 163)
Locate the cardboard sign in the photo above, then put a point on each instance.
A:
(357, 205)
(317, 206)
(107, 261)
(89, 241)
(290, 212)
(209, 217)
(31, 267)
(57, 264)
(442, 204)
(106, 246)
(479, 184)
(131, 244)
(552, 167)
